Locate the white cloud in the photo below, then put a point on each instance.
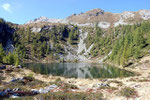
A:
(6, 7)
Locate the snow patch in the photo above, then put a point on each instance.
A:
(104, 24)
(145, 14)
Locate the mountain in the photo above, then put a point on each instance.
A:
(103, 19)
(95, 35)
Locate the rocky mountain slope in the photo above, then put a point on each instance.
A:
(103, 19)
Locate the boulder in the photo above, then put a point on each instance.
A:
(2, 67)
(101, 85)
(43, 91)
(3, 94)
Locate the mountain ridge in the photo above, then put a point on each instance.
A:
(98, 16)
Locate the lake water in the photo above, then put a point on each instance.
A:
(78, 70)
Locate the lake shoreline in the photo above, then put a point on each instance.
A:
(140, 83)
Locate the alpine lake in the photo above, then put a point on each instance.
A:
(78, 70)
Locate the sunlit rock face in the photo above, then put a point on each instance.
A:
(45, 19)
(127, 14)
(104, 24)
(36, 29)
(104, 19)
(145, 14)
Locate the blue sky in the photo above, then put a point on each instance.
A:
(21, 11)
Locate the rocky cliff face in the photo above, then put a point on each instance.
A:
(6, 33)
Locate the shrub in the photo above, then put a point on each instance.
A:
(58, 80)
(2, 53)
(109, 87)
(128, 92)
(64, 96)
(11, 58)
(30, 75)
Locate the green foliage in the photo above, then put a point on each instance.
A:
(126, 42)
(45, 43)
(131, 43)
(11, 58)
(148, 40)
(28, 32)
(30, 75)
(73, 35)
(2, 21)
(2, 53)
(102, 41)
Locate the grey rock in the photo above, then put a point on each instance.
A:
(35, 29)
(16, 89)
(43, 91)
(14, 96)
(101, 85)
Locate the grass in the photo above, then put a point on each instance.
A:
(128, 92)
(63, 85)
(117, 82)
(109, 87)
(140, 80)
(67, 86)
(144, 80)
(64, 96)
(133, 79)
(26, 84)
(146, 61)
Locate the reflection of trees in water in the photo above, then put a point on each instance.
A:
(78, 70)
(107, 71)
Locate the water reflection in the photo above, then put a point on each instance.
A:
(78, 70)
